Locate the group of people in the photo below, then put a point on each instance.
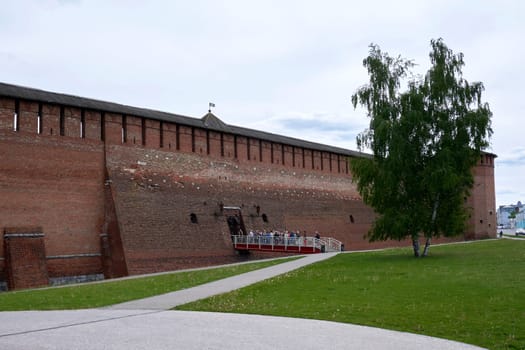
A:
(279, 237)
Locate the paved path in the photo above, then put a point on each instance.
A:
(145, 324)
(170, 300)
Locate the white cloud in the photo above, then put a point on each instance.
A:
(267, 63)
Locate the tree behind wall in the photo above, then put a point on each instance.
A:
(425, 142)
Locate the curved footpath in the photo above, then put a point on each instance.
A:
(146, 324)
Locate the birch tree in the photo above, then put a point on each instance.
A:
(425, 140)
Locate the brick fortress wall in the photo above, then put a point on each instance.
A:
(53, 182)
(114, 193)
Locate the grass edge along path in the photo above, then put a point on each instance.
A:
(93, 295)
(471, 293)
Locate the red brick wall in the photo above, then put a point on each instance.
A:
(143, 211)
(72, 122)
(169, 136)
(92, 125)
(200, 141)
(155, 193)
(113, 128)
(242, 149)
(28, 116)
(50, 120)
(134, 131)
(152, 133)
(185, 139)
(7, 111)
(55, 183)
(215, 144)
(26, 258)
(229, 149)
(482, 201)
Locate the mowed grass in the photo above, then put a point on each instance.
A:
(93, 295)
(473, 293)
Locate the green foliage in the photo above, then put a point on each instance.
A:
(424, 140)
(90, 295)
(470, 292)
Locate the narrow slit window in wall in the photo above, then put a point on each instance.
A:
(260, 151)
(143, 125)
(177, 137)
(161, 135)
(124, 129)
(62, 121)
(102, 126)
(193, 218)
(222, 144)
(39, 120)
(82, 124)
(235, 146)
(193, 140)
(16, 120)
(264, 217)
(248, 148)
(207, 142)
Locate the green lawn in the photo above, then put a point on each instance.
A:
(474, 293)
(92, 295)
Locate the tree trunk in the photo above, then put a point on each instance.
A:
(427, 247)
(415, 245)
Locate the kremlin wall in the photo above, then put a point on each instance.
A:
(92, 190)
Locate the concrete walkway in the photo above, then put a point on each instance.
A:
(144, 324)
(170, 300)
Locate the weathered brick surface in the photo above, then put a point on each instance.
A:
(28, 116)
(113, 258)
(26, 257)
(50, 120)
(119, 200)
(155, 193)
(72, 122)
(92, 125)
(56, 184)
(7, 112)
(133, 131)
(483, 221)
(73, 266)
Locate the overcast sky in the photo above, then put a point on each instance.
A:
(287, 67)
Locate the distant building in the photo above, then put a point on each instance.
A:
(520, 220)
(505, 211)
